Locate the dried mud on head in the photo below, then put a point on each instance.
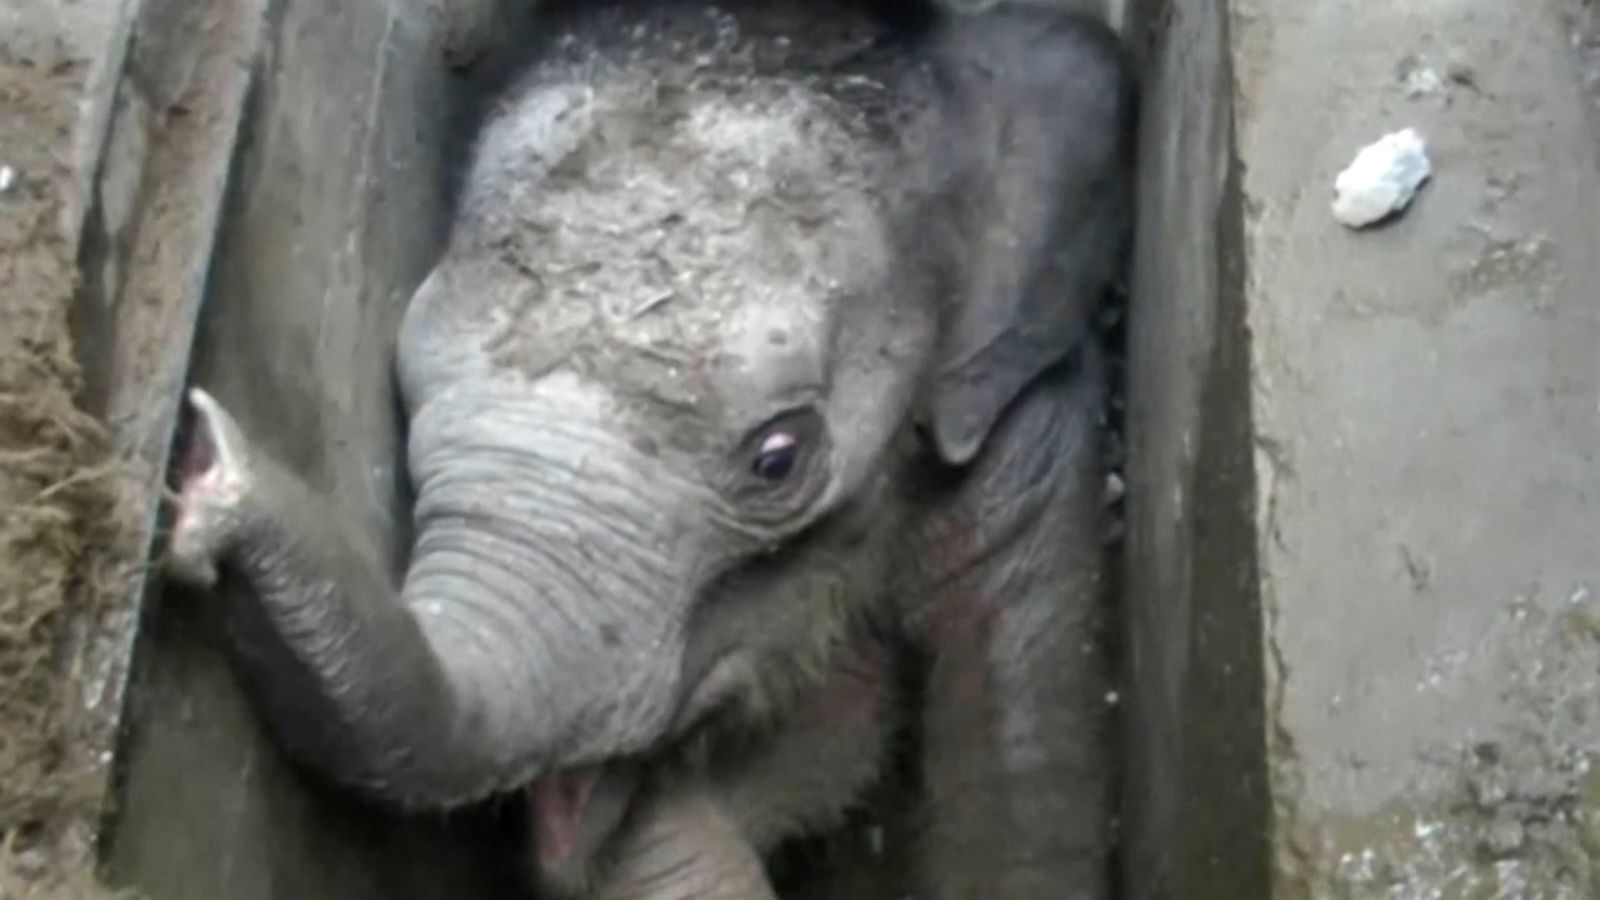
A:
(55, 498)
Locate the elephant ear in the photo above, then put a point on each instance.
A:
(1037, 211)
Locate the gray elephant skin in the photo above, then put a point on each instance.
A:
(757, 382)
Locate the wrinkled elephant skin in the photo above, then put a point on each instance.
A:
(758, 370)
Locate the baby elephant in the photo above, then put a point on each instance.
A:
(754, 413)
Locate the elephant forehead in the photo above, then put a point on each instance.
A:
(728, 198)
(761, 359)
(695, 260)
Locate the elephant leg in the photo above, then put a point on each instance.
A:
(705, 834)
(1009, 608)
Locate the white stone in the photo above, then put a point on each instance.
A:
(1382, 180)
(1116, 489)
(1423, 82)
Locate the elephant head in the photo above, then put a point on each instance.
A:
(699, 317)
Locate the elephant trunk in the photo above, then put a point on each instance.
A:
(543, 576)
(539, 626)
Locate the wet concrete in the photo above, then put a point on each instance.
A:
(1364, 490)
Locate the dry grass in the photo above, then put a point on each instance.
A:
(49, 490)
(56, 496)
(38, 874)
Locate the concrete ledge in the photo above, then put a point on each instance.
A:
(1364, 556)
(1427, 405)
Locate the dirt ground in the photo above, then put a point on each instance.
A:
(55, 492)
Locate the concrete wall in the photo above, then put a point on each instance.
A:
(1364, 553)
(332, 208)
(1195, 805)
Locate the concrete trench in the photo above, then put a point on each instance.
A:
(1361, 578)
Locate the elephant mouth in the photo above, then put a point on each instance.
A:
(575, 811)
(559, 802)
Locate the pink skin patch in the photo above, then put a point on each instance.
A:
(558, 803)
(197, 462)
(200, 486)
(199, 453)
(211, 483)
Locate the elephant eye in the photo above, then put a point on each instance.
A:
(776, 456)
(778, 462)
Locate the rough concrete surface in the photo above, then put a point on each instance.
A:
(1426, 402)
(1363, 569)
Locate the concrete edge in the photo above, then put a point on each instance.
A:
(1196, 809)
(162, 130)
